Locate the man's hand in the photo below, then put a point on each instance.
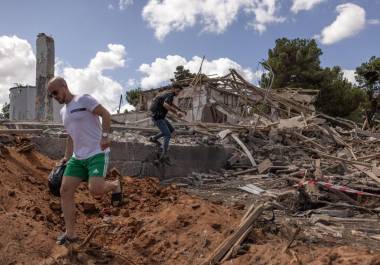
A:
(105, 143)
(180, 113)
(62, 161)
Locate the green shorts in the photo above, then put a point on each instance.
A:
(94, 166)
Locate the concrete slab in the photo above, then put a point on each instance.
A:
(136, 159)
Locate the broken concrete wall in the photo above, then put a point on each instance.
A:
(44, 72)
(135, 159)
(131, 117)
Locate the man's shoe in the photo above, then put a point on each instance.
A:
(153, 140)
(165, 160)
(64, 239)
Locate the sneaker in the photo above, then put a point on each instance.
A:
(165, 160)
(64, 239)
(153, 140)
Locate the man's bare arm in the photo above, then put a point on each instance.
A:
(106, 125)
(69, 149)
(106, 117)
(173, 108)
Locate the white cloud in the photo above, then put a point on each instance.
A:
(299, 5)
(125, 107)
(131, 82)
(214, 15)
(350, 21)
(110, 7)
(374, 21)
(349, 75)
(123, 4)
(162, 69)
(17, 64)
(91, 80)
(264, 11)
(114, 58)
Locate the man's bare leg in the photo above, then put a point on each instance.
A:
(68, 187)
(98, 186)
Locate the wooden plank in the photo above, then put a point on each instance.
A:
(318, 171)
(226, 245)
(244, 171)
(235, 248)
(376, 155)
(368, 173)
(340, 159)
(248, 153)
(309, 140)
(264, 166)
(21, 131)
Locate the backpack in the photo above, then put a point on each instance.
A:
(55, 179)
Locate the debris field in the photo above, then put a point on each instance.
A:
(165, 224)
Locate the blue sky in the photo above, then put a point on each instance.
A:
(139, 43)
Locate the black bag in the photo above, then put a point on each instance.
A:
(55, 179)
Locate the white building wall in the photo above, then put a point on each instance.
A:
(22, 104)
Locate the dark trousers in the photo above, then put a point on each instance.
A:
(166, 130)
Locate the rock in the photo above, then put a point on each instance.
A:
(55, 206)
(216, 226)
(239, 206)
(89, 207)
(6, 139)
(125, 213)
(195, 206)
(36, 210)
(115, 211)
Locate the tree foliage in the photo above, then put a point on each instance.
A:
(132, 96)
(296, 63)
(181, 74)
(368, 78)
(338, 97)
(5, 111)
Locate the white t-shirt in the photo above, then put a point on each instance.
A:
(83, 126)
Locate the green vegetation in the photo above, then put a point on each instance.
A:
(296, 63)
(4, 114)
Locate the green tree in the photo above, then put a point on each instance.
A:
(132, 96)
(295, 63)
(181, 74)
(338, 97)
(5, 111)
(368, 78)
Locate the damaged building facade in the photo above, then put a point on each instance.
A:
(228, 99)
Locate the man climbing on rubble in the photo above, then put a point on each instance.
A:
(87, 151)
(160, 106)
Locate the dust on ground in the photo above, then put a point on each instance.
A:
(156, 225)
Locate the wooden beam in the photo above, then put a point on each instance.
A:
(250, 157)
(226, 245)
(21, 131)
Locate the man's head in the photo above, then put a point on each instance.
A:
(57, 88)
(176, 89)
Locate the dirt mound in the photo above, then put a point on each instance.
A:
(156, 225)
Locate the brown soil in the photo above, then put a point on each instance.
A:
(156, 225)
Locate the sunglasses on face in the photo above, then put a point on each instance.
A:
(53, 93)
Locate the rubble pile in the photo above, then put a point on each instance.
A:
(156, 224)
(323, 172)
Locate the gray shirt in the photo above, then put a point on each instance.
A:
(83, 126)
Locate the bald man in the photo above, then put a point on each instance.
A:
(87, 151)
